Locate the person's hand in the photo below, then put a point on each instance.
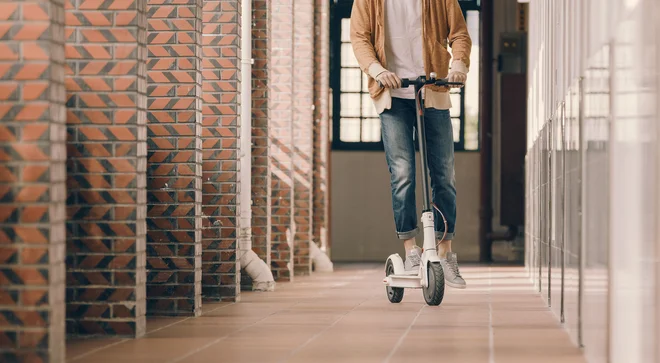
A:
(456, 76)
(458, 73)
(389, 80)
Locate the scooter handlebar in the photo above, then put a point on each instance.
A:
(405, 83)
(422, 81)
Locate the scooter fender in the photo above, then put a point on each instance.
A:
(397, 263)
(427, 258)
(430, 256)
(423, 274)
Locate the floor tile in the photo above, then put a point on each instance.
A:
(345, 317)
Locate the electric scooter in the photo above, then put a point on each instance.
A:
(430, 276)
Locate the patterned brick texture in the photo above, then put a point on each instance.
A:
(119, 155)
(261, 178)
(106, 167)
(32, 181)
(303, 127)
(174, 169)
(221, 76)
(281, 129)
(320, 224)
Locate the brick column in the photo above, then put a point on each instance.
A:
(303, 122)
(174, 167)
(320, 220)
(221, 84)
(281, 118)
(261, 178)
(106, 180)
(32, 181)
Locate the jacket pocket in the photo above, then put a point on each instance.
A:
(441, 46)
(440, 57)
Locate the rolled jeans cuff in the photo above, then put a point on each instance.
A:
(448, 237)
(408, 235)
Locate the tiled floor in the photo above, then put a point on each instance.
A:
(345, 317)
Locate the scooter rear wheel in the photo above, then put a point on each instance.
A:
(394, 294)
(435, 291)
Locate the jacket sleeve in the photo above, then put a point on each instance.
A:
(459, 38)
(361, 35)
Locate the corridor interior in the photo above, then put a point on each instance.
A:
(205, 181)
(345, 317)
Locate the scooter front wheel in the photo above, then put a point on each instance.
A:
(434, 292)
(394, 294)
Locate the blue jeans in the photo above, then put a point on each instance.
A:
(398, 124)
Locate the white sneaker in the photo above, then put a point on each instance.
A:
(453, 276)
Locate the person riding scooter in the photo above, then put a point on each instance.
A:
(394, 39)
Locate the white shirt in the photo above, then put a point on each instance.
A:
(403, 42)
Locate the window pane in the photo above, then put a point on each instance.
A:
(456, 126)
(472, 20)
(347, 56)
(350, 129)
(350, 80)
(368, 108)
(350, 104)
(346, 29)
(365, 82)
(455, 105)
(472, 85)
(371, 130)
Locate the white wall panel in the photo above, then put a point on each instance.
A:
(597, 61)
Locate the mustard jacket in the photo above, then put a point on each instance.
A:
(442, 24)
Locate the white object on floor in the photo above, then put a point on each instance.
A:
(320, 260)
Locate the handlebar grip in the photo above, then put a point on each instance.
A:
(445, 83)
(405, 83)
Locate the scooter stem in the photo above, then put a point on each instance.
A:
(421, 133)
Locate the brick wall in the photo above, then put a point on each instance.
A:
(152, 171)
(281, 118)
(321, 191)
(221, 96)
(174, 169)
(106, 167)
(303, 115)
(32, 181)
